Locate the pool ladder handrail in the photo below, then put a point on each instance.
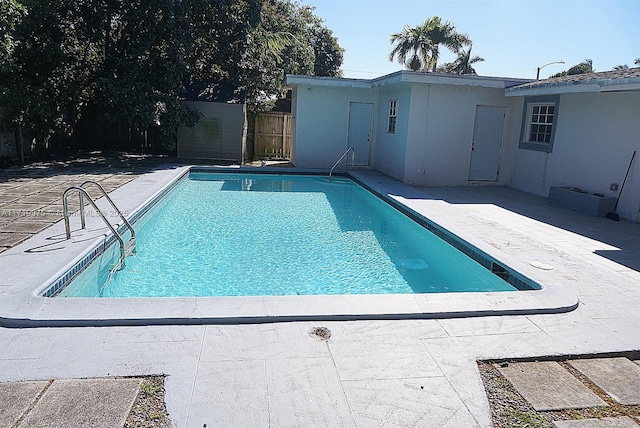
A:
(353, 158)
(125, 248)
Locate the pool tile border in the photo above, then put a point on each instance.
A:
(24, 305)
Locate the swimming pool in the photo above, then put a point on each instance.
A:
(276, 235)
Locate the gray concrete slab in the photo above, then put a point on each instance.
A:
(42, 198)
(19, 206)
(4, 199)
(619, 422)
(618, 377)
(19, 226)
(548, 386)
(8, 239)
(72, 403)
(16, 398)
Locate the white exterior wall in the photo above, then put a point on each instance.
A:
(320, 117)
(390, 149)
(595, 136)
(441, 132)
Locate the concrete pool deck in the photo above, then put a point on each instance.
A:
(46, 258)
(370, 373)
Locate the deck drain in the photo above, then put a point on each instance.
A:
(321, 333)
(540, 265)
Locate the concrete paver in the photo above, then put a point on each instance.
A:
(25, 227)
(16, 398)
(4, 199)
(619, 422)
(226, 375)
(618, 377)
(9, 239)
(72, 403)
(548, 386)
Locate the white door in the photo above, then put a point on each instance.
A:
(360, 121)
(486, 144)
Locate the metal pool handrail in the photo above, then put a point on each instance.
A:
(125, 249)
(113, 205)
(353, 158)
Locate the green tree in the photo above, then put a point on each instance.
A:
(11, 13)
(418, 48)
(328, 54)
(145, 44)
(128, 60)
(463, 64)
(584, 67)
(289, 39)
(621, 67)
(45, 72)
(412, 48)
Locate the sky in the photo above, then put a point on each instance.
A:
(513, 36)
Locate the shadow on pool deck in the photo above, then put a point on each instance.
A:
(623, 235)
(31, 195)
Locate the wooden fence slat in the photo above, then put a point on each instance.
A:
(272, 139)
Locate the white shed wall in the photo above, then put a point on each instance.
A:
(220, 134)
(321, 122)
(595, 137)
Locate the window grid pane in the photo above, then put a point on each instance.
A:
(391, 127)
(541, 123)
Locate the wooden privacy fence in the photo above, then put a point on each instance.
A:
(272, 136)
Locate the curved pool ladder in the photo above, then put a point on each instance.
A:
(353, 158)
(125, 248)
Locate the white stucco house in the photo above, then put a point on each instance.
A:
(430, 129)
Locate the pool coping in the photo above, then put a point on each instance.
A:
(29, 267)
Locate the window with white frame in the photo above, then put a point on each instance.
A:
(393, 107)
(539, 123)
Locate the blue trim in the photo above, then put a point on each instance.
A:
(524, 131)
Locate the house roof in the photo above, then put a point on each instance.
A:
(605, 81)
(406, 77)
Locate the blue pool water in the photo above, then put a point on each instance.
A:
(248, 235)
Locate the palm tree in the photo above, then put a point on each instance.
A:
(418, 47)
(621, 67)
(637, 61)
(445, 34)
(462, 64)
(412, 48)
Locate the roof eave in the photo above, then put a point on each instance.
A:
(292, 80)
(405, 77)
(604, 85)
(456, 80)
